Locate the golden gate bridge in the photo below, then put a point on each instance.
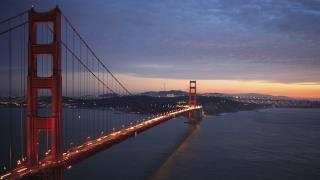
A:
(50, 76)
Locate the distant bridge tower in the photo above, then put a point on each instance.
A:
(193, 94)
(196, 115)
(36, 123)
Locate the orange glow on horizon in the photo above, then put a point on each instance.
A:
(296, 90)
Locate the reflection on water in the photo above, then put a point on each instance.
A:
(184, 145)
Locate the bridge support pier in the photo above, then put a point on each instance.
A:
(195, 116)
(56, 174)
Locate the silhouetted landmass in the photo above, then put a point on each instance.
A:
(145, 104)
(171, 93)
(154, 105)
(219, 105)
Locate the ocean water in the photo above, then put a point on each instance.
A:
(267, 144)
(270, 144)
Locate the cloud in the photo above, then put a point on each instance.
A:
(267, 40)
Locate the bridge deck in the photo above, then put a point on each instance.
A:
(89, 148)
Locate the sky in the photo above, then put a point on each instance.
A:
(228, 46)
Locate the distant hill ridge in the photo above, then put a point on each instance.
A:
(178, 93)
(171, 93)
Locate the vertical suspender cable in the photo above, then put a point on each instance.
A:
(98, 112)
(87, 92)
(80, 82)
(21, 91)
(45, 73)
(94, 112)
(108, 119)
(72, 127)
(103, 109)
(90, 112)
(10, 103)
(24, 69)
(66, 88)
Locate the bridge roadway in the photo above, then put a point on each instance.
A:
(91, 147)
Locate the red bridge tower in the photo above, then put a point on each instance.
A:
(192, 99)
(52, 123)
(193, 94)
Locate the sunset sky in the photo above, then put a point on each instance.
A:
(229, 46)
